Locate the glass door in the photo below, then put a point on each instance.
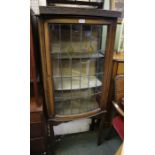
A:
(77, 66)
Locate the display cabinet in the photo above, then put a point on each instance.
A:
(38, 138)
(76, 53)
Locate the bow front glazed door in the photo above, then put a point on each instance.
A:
(76, 63)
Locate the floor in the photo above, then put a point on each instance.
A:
(85, 144)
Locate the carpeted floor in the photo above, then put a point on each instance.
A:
(85, 144)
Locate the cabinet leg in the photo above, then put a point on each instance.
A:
(100, 132)
(51, 140)
(109, 133)
(92, 126)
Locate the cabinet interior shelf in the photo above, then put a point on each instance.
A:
(74, 96)
(74, 83)
(77, 55)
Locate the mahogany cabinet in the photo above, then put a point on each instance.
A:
(76, 60)
(37, 119)
(38, 142)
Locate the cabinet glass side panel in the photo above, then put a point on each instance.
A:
(77, 55)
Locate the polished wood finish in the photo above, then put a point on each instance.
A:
(108, 63)
(49, 70)
(43, 60)
(37, 130)
(47, 65)
(69, 15)
(36, 117)
(38, 146)
(37, 120)
(34, 104)
(33, 72)
(75, 21)
(60, 118)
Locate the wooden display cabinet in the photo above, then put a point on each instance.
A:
(38, 129)
(76, 60)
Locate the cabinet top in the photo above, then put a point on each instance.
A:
(66, 11)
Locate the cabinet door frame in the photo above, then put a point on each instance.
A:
(47, 63)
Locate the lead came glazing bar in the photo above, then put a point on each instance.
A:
(89, 61)
(80, 59)
(88, 71)
(71, 66)
(96, 66)
(97, 70)
(61, 67)
(78, 76)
